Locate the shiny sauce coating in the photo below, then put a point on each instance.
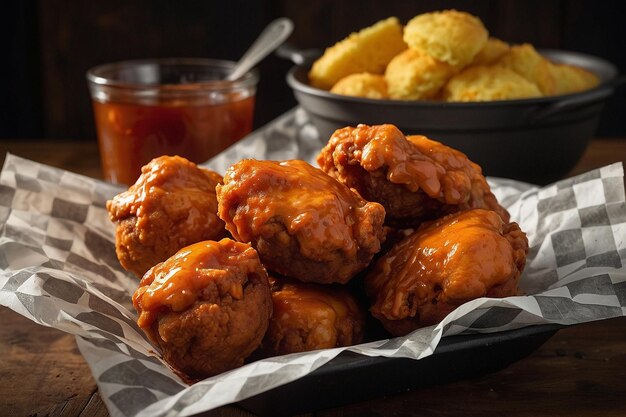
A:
(168, 174)
(384, 146)
(177, 283)
(450, 261)
(308, 202)
(312, 316)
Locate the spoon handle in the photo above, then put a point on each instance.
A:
(274, 34)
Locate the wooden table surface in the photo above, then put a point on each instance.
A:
(581, 371)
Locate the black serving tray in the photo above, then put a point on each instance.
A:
(351, 377)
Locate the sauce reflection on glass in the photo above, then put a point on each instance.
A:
(131, 135)
(173, 106)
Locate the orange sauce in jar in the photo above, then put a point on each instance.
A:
(131, 134)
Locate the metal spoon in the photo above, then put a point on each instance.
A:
(271, 38)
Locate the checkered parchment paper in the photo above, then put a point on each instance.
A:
(59, 269)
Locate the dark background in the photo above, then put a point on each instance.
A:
(49, 45)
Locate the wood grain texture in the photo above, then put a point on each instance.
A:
(79, 157)
(578, 372)
(42, 371)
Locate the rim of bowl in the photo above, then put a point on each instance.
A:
(602, 90)
(250, 79)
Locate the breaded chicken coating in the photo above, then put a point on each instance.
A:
(311, 316)
(444, 264)
(413, 177)
(304, 224)
(171, 205)
(207, 307)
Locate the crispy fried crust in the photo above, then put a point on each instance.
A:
(207, 307)
(311, 316)
(444, 264)
(172, 204)
(413, 177)
(305, 224)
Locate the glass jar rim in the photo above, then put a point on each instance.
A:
(95, 75)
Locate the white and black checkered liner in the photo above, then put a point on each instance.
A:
(58, 268)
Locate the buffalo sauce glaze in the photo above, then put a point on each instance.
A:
(195, 188)
(304, 199)
(414, 162)
(304, 299)
(384, 146)
(460, 171)
(179, 187)
(325, 315)
(450, 261)
(176, 284)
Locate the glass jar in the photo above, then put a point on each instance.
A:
(177, 106)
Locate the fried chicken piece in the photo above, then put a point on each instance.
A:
(304, 224)
(413, 177)
(311, 316)
(171, 205)
(444, 264)
(207, 307)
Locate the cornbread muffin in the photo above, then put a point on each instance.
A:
(363, 84)
(450, 36)
(368, 50)
(571, 79)
(486, 83)
(414, 75)
(494, 50)
(527, 62)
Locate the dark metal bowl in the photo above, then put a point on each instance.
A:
(534, 140)
(350, 377)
